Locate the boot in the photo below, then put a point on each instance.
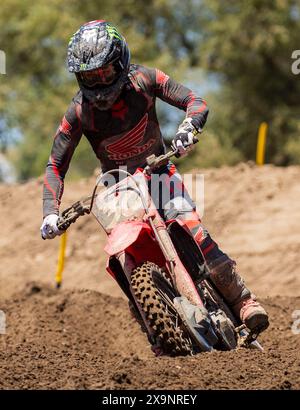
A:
(239, 298)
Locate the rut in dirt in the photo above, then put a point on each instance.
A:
(83, 339)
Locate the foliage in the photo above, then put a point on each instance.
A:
(37, 88)
(250, 45)
(246, 44)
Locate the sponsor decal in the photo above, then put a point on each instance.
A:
(90, 35)
(113, 32)
(128, 145)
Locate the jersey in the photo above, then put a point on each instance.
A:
(124, 135)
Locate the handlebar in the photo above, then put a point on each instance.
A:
(71, 214)
(79, 208)
(154, 162)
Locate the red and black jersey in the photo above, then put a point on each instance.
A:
(126, 134)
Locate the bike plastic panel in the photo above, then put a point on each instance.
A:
(121, 202)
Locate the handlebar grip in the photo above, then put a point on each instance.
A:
(195, 139)
(62, 224)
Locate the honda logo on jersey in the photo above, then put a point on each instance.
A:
(128, 145)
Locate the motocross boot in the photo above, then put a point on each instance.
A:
(239, 298)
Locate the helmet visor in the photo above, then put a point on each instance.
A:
(103, 76)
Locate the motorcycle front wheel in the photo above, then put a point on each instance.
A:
(155, 295)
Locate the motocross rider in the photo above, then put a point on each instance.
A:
(115, 109)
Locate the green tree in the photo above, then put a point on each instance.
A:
(249, 44)
(37, 88)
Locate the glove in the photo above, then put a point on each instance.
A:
(185, 137)
(49, 227)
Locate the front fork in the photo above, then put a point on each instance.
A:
(181, 279)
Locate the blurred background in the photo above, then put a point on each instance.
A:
(236, 54)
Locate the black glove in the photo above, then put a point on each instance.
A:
(185, 136)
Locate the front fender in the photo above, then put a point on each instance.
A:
(124, 235)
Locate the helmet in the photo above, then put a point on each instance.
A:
(100, 58)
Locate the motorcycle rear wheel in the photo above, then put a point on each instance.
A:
(155, 296)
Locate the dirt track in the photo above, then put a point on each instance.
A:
(82, 339)
(79, 338)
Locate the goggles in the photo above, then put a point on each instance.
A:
(103, 76)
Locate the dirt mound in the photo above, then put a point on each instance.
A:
(252, 212)
(75, 338)
(82, 339)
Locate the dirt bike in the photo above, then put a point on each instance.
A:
(160, 267)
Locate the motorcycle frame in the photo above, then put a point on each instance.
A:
(138, 235)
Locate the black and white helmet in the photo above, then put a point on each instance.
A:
(100, 58)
